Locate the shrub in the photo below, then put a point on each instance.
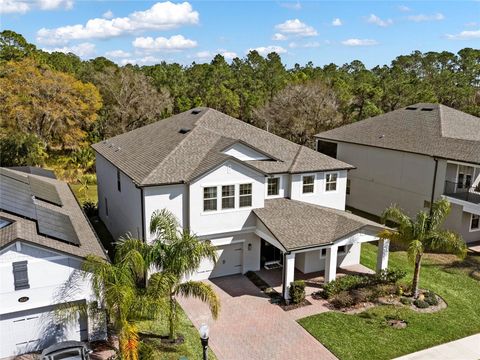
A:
(342, 300)
(406, 301)
(421, 304)
(431, 298)
(90, 208)
(297, 291)
(389, 276)
(89, 179)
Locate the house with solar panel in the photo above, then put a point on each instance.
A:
(411, 157)
(266, 203)
(44, 237)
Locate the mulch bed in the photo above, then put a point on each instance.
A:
(289, 307)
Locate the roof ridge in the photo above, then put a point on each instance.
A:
(170, 154)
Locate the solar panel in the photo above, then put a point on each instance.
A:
(17, 197)
(57, 225)
(45, 191)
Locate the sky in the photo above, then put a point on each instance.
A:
(147, 32)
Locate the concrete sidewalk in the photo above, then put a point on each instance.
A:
(464, 349)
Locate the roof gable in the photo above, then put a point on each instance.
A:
(160, 153)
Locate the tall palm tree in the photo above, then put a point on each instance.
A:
(115, 287)
(179, 253)
(423, 233)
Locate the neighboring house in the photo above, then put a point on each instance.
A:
(44, 237)
(412, 157)
(264, 201)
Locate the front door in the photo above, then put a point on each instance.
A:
(269, 254)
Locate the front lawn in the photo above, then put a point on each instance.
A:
(366, 335)
(85, 194)
(191, 349)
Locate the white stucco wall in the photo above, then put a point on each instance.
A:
(333, 199)
(221, 221)
(124, 207)
(311, 261)
(384, 177)
(47, 272)
(459, 221)
(171, 197)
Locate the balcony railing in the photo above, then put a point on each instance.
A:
(462, 191)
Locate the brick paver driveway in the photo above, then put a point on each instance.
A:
(249, 327)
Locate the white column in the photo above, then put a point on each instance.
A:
(331, 264)
(289, 274)
(382, 254)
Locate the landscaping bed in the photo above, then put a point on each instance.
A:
(369, 334)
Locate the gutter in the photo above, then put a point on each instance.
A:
(432, 198)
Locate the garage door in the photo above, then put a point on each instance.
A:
(230, 261)
(33, 330)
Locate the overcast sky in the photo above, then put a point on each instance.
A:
(146, 32)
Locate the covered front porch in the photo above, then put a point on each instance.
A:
(313, 243)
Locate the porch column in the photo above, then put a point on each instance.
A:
(331, 264)
(288, 273)
(382, 254)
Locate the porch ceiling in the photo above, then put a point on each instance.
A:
(298, 225)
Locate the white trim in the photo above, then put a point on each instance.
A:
(314, 186)
(250, 229)
(471, 220)
(462, 163)
(236, 207)
(325, 182)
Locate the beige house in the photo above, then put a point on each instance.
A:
(411, 157)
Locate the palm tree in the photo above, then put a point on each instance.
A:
(179, 253)
(423, 233)
(115, 287)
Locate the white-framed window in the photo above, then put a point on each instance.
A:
(228, 196)
(331, 182)
(308, 184)
(273, 186)
(475, 222)
(210, 198)
(245, 195)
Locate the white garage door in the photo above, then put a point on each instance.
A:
(230, 262)
(33, 330)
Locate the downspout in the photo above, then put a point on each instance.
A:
(142, 201)
(433, 185)
(187, 213)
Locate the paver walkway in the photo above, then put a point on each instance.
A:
(250, 327)
(464, 349)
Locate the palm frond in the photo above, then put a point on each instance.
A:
(440, 210)
(159, 284)
(415, 248)
(396, 215)
(134, 254)
(448, 241)
(201, 291)
(394, 236)
(163, 224)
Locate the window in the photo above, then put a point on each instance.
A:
(106, 206)
(349, 186)
(323, 253)
(308, 184)
(245, 195)
(210, 198)
(273, 186)
(342, 249)
(327, 148)
(20, 275)
(475, 222)
(331, 181)
(228, 196)
(119, 184)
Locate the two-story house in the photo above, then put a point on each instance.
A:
(262, 200)
(44, 237)
(411, 157)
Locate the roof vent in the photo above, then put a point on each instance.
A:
(196, 111)
(381, 136)
(426, 109)
(184, 130)
(410, 108)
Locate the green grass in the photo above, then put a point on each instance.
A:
(82, 194)
(365, 335)
(191, 348)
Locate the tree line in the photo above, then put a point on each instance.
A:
(62, 102)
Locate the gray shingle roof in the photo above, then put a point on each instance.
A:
(297, 225)
(159, 154)
(26, 227)
(439, 132)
